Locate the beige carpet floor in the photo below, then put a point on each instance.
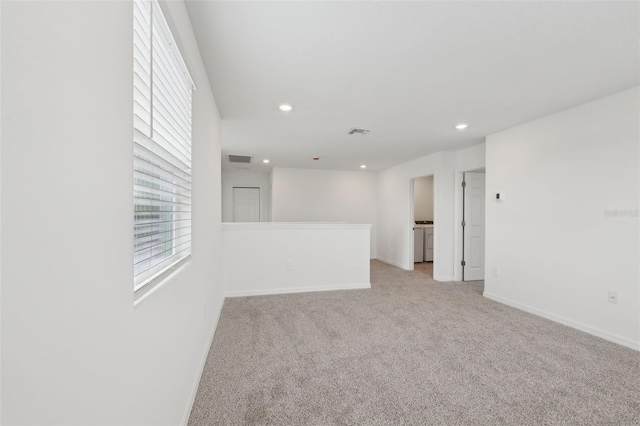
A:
(409, 351)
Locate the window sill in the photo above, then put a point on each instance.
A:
(159, 280)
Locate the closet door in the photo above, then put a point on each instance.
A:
(246, 204)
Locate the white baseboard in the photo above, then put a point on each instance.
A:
(624, 341)
(391, 262)
(445, 278)
(203, 361)
(264, 292)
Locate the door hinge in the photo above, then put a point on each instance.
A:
(463, 263)
(464, 184)
(464, 223)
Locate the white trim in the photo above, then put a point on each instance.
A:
(624, 341)
(160, 279)
(270, 226)
(244, 293)
(411, 258)
(145, 286)
(262, 199)
(203, 361)
(457, 229)
(443, 279)
(458, 218)
(392, 263)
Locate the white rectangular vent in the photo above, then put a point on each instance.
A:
(239, 159)
(356, 131)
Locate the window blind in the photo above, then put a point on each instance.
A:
(162, 147)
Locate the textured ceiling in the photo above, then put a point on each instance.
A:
(409, 71)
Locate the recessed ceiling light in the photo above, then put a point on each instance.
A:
(265, 161)
(462, 126)
(363, 166)
(285, 107)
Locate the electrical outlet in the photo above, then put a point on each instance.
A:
(496, 271)
(289, 264)
(613, 297)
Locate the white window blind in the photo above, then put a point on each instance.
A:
(162, 147)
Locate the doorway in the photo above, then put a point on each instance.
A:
(423, 224)
(473, 235)
(246, 204)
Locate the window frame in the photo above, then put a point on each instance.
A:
(162, 144)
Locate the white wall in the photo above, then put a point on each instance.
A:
(558, 252)
(395, 216)
(470, 159)
(294, 257)
(260, 180)
(74, 348)
(423, 198)
(311, 195)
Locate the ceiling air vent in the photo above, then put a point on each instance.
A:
(356, 131)
(239, 159)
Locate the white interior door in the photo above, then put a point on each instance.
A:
(473, 229)
(246, 204)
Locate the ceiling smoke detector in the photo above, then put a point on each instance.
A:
(244, 159)
(356, 131)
